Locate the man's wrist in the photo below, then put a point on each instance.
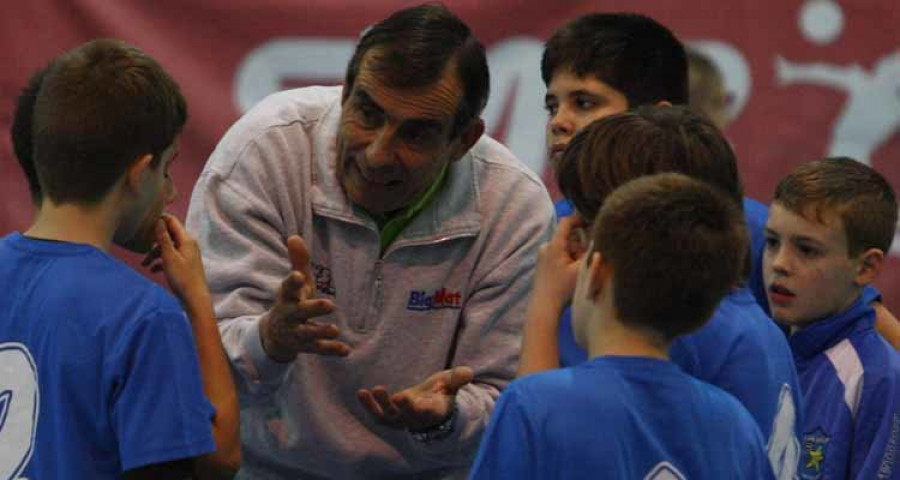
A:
(440, 431)
(271, 351)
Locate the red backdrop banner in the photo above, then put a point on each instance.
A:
(809, 78)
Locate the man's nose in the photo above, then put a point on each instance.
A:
(380, 153)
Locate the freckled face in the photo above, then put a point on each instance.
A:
(574, 102)
(393, 143)
(807, 270)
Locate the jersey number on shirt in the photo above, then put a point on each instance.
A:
(19, 405)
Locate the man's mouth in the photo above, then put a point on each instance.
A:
(375, 179)
(780, 295)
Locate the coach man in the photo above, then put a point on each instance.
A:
(370, 253)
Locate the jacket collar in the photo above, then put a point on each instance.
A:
(824, 334)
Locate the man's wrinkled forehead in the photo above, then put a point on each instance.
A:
(437, 101)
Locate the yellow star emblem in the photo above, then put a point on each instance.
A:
(815, 459)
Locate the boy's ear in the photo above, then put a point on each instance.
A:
(599, 275)
(871, 262)
(135, 173)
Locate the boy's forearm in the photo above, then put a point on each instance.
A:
(218, 385)
(540, 347)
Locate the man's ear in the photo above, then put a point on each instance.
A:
(137, 171)
(467, 138)
(871, 262)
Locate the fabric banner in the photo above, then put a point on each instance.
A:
(808, 78)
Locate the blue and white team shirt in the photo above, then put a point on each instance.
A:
(740, 350)
(98, 368)
(851, 379)
(620, 418)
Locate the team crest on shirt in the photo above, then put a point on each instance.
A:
(814, 446)
(664, 471)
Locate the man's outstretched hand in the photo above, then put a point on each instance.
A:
(418, 407)
(287, 329)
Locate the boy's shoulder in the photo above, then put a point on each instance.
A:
(80, 279)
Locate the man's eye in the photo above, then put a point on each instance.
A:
(771, 242)
(370, 114)
(551, 108)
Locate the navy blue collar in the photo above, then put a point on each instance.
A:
(824, 334)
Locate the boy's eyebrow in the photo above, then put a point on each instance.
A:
(804, 238)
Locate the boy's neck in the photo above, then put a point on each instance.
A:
(87, 224)
(612, 337)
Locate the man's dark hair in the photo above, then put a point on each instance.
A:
(20, 131)
(632, 53)
(100, 107)
(677, 246)
(415, 46)
(859, 195)
(618, 148)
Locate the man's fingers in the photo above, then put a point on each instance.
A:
(292, 287)
(459, 377)
(330, 348)
(314, 331)
(368, 400)
(384, 402)
(298, 253)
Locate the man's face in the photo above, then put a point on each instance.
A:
(393, 143)
(137, 230)
(807, 271)
(572, 103)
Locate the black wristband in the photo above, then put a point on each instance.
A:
(439, 431)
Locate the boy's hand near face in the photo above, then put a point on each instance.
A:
(554, 285)
(177, 255)
(557, 265)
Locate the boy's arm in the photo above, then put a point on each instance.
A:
(180, 260)
(554, 284)
(875, 448)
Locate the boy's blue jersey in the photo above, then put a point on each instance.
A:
(619, 418)
(851, 377)
(98, 369)
(742, 351)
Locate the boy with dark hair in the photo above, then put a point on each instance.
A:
(629, 413)
(740, 350)
(830, 226)
(104, 376)
(20, 132)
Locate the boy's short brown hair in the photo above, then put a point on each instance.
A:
(677, 246)
(618, 148)
(861, 197)
(100, 107)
